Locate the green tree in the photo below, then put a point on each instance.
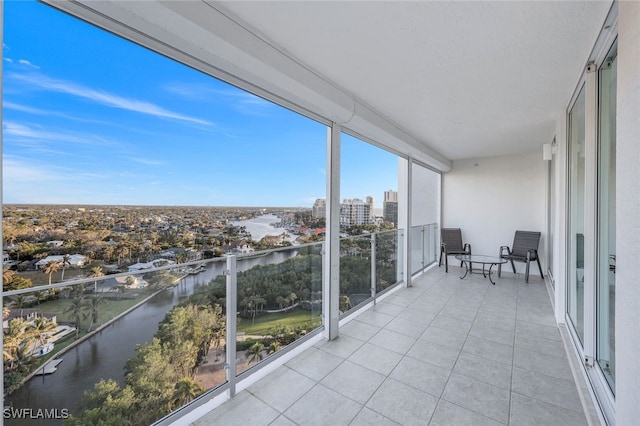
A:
(51, 267)
(7, 274)
(96, 272)
(274, 347)
(15, 282)
(77, 311)
(185, 391)
(106, 404)
(255, 352)
(41, 328)
(93, 304)
(66, 262)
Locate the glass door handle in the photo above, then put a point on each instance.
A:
(612, 263)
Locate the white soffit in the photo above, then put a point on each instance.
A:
(461, 79)
(469, 79)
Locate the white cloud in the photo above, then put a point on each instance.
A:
(102, 97)
(23, 131)
(27, 63)
(242, 101)
(27, 181)
(147, 161)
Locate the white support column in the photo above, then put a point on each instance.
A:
(409, 206)
(627, 215)
(331, 273)
(404, 269)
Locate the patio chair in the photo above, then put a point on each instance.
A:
(451, 244)
(524, 249)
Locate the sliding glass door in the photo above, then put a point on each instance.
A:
(606, 274)
(577, 188)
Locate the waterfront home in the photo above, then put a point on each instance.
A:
(28, 315)
(156, 263)
(75, 260)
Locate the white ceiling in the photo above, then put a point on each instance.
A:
(468, 79)
(433, 80)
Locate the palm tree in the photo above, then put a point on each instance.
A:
(40, 296)
(93, 303)
(130, 280)
(255, 352)
(185, 391)
(19, 300)
(77, 311)
(51, 267)
(96, 272)
(41, 327)
(7, 275)
(274, 347)
(66, 261)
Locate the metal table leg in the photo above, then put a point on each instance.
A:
(466, 266)
(490, 266)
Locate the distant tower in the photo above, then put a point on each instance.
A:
(319, 209)
(371, 203)
(390, 206)
(354, 212)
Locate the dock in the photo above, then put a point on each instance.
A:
(48, 368)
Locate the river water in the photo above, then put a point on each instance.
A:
(105, 354)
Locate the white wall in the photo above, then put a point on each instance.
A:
(491, 198)
(628, 217)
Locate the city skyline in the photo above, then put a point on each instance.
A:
(89, 118)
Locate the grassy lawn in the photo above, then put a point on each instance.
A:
(106, 311)
(262, 324)
(40, 278)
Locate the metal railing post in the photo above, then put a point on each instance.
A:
(232, 307)
(373, 267)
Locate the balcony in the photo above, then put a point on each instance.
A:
(444, 351)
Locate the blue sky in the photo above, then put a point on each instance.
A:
(89, 118)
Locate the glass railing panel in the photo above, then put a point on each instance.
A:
(355, 271)
(147, 341)
(417, 249)
(388, 259)
(423, 247)
(279, 301)
(429, 244)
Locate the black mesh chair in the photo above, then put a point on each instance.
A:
(451, 244)
(524, 249)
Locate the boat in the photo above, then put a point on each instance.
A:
(196, 270)
(49, 368)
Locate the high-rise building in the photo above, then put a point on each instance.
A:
(390, 206)
(371, 203)
(319, 209)
(354, 212)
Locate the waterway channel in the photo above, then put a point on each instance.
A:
(105, 354)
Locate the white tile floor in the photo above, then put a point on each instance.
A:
(443, 352)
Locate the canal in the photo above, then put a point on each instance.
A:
(105, 354)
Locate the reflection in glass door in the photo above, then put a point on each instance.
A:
(605, 296)
(551, 216)
(575, 290)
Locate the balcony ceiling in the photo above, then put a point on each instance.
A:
(434, 80)
(468, 79)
